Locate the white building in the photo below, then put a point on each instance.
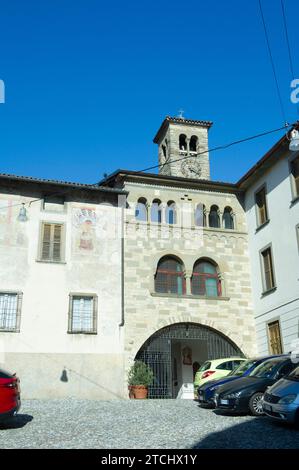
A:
(60, 317)
(272, 208)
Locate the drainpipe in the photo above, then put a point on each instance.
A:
(122, 323)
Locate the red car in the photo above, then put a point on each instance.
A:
(10, 401)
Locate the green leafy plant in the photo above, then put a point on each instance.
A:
(140, 374)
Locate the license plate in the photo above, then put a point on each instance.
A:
(224, 402)
(267, 407)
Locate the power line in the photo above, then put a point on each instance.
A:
(272, 63)
(287, 39)
(220, 147)
(288, 45)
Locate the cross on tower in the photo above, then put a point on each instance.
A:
(181, 111)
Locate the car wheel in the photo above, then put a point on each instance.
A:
(255, 404)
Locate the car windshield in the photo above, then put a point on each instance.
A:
(294, 375)
(4, 374)
(241, 369)
(206, 365)
(265, 370)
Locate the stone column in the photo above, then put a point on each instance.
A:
(188, 275)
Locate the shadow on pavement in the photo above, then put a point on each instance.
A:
(18, 421)
(256, 433)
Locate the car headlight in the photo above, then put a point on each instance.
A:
(288, 399)
(233, 395)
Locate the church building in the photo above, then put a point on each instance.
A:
(187, 283)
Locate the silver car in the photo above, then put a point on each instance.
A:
(281, 401)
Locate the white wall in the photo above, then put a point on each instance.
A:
(283, 303)
(43, 346)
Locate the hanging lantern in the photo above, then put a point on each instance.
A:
(22, 217)
(294, 142)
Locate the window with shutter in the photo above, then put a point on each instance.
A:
(57, 243)
(269, 282)
(262, 213)
(275, 337)
(51, 249)
(295, 173)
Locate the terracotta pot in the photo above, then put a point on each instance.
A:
(140, 391)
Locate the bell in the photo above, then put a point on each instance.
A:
(294, 143)
(22, 217)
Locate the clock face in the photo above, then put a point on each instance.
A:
(191, 168)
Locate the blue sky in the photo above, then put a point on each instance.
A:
(88, 83)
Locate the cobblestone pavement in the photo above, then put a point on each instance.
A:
(138, 424)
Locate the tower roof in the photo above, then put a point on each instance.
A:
(180, 120)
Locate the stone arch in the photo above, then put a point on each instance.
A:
(156, 349)
(136, 344)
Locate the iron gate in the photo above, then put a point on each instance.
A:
(156, 352)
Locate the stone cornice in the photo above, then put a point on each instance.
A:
(180, 188)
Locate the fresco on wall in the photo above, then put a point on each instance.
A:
(187, 356)
(84, 223)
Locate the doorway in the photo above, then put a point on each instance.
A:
(172, 351)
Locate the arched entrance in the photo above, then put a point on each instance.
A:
(172, 351)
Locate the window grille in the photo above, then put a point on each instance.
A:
(10, 311)
(83, 314)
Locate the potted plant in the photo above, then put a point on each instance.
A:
(139, 378)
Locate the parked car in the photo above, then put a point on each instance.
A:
(281, 401)
(10, 401)
(245, 394)
(216, 369)
(206, 392)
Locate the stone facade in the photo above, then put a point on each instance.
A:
(187, 156)
(147, 242)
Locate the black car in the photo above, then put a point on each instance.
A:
(244, 395)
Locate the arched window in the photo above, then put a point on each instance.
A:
(214, 220)
(140, 210)
(193, 144)
(228, 219)
(183, 142)
(200, 216)
(170, 214)
(164, 151)
(170, 277)
(205, 280)
(156, 211)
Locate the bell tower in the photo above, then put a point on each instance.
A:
(183, 148)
